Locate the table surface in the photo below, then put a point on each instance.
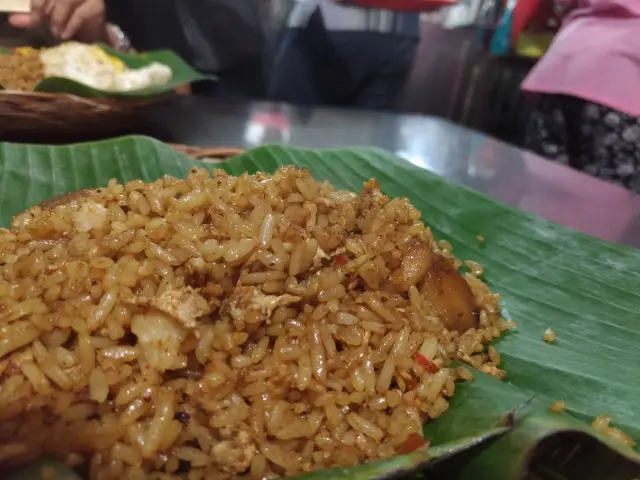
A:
(501, 171)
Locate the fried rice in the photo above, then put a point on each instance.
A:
(223, 327)
(21, 69)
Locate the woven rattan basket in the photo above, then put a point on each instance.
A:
(61, 114)
(207, 154)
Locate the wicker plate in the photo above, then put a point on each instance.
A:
(51, 114)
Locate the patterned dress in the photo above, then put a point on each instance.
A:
(587, 136)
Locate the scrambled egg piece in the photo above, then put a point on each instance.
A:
(251, 299)
(160, 333)
(160, 338)
(91, 215)
(184, 304)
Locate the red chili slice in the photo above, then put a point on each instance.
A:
(340, 260)
(426, 363)
(412, 443)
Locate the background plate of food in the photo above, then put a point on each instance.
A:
(79, 88)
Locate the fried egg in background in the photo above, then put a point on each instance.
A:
(92, 66)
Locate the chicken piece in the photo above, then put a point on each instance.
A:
(235, 455)
(90, 214)
(414, 266)
(450, 295)
(66, 199)
(250, 299)
(185, 304)
(160, 338)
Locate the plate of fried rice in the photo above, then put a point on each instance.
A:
(93, 71)
(73, 89)
(311, 322)
(226, 327)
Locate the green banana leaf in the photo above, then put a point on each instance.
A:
(549, 276)
(182, 74)
(46, 468)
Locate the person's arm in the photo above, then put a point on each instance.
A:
(82, 20)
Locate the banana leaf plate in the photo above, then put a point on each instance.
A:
(585, 289)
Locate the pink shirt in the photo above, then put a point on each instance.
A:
(595, 56)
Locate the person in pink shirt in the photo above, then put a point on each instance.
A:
(587, 91)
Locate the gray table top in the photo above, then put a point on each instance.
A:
(464, 156)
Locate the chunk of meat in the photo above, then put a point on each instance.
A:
(450, 295)
(90, 214)
(247, 299)
(184, 304)
(234, 456)
(414, 266)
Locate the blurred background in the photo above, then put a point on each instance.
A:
(460, 72)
